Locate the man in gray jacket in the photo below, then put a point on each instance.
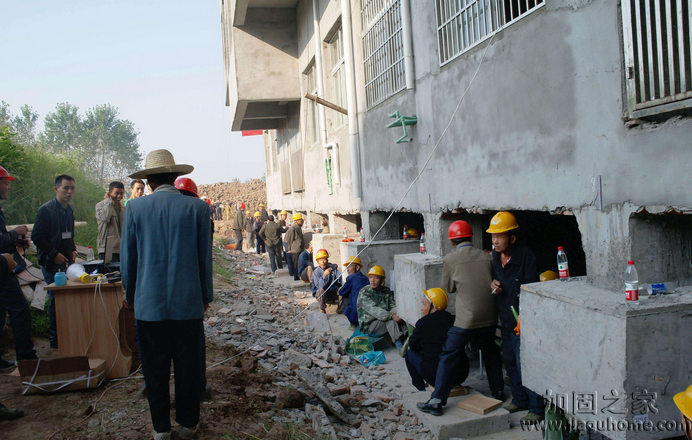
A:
(271, 234)
(238, 224)
(166, 270)
(109, 216)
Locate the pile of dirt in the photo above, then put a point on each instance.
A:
(251, 193)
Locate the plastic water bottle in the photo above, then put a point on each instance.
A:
(60, 278)
(90, 254)
(422, 244)
(631, 282)
(345, 233)
(362, 235)
(562, 264)
(405, 234)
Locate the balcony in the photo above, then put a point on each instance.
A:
(261, 61)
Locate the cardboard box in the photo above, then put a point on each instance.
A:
(61, 374)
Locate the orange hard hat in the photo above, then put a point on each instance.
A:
(4, 174)
(186, 184)
(459, 229)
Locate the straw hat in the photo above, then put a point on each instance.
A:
(161, 162)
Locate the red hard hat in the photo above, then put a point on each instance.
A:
(242, 206)
(4, 174)
(186, 184)
(460, 229)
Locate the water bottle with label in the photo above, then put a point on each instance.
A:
(345, 233)
(405, 234)
(362, 235)
(90, 254)
(562, 264)
(422, 244)
(631, 283)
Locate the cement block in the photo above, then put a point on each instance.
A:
(380, 253)
(583, 345)
(413, 273)
(456, 422)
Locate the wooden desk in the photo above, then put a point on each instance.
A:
(74, 312)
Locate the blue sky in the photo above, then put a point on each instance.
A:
(159, 62)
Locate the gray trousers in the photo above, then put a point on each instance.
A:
(331, 297)
(250, 237)
(239, 240)
(380, 328)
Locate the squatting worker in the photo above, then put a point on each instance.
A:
(306, 267)
(136, 190)
(167, 276)
(109, 217)
(294, 238)
(355, 281)
(326, 281)
(12, 300)
(271, 234)
(249, 226)
(53, 236)
(238, 225)
(377, 310)
(468, 272)
(513, 265)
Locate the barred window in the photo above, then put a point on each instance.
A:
(463, 24)
(658, 52)
(383, 49)
(313, 115)
(336, 51)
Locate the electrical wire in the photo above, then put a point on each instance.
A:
(401, 201)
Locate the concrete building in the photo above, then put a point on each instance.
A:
(575, 116)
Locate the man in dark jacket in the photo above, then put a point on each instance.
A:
(349, 291)
(12, 299)
(428, 339)
(53, 236)
(7, 263)
(271, 234)
(513, 265)
(306, 267)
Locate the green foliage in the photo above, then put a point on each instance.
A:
(40, 324)
(63, 129)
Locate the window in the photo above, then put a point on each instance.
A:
(313, 115)
(462, 24)
(658, 41)
(383, 49)
(336, 53)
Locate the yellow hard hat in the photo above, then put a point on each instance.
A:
(412, 232)
(549, 275)
(310, 243)
(322, 253)
(684, 402)
(283, 213)
(247, 212)
(354, 260)
(261, 205)
(297, 216)
(377, 270)
(257, 214)
(438, 297)
(502, 222)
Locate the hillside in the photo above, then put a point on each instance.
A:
(252, 193)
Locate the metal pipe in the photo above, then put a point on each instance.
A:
(320, 80)
(408, 44)
(354, 141)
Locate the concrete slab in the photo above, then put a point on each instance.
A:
(456, 422)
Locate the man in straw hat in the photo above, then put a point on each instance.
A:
(166, 270)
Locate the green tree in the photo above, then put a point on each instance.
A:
(5, 115)
(63, 129)
(24, 125)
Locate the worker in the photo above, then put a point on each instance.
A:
(377, 310)
(109, 217)
(136, 190)
(283, 215)
(7, 264)
(257, 226)
(12, 299)
(264, 215)
(238, 227)
(349, 291)
(294, 238)
(326, 281)
(306, 267)
(271, 234)
(249, 225)
(513, 265)
(468, 272)
(167, 277)
(428, 338)
(53, 236)
(188, 187)
(683, 401)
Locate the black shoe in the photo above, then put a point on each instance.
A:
(499, 395)
(10, 413)
(7, 367)
(435, 409)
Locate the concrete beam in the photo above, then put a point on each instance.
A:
(240, 12)
(259, 124)
(265, 110)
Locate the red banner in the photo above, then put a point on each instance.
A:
(253, 132)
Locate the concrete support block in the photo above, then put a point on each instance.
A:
(380, 253)
(413, 273)
(585, 348)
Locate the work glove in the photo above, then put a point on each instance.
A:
(518, 327)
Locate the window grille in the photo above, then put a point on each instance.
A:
(463, 24)
(336, 51)
(658, 51)
(383, 49)
(313, 115)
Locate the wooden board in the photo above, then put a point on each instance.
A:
(78, 285)
(480, 404)
(40, 294)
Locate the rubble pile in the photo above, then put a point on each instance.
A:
(319, 383)
(252, 193)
